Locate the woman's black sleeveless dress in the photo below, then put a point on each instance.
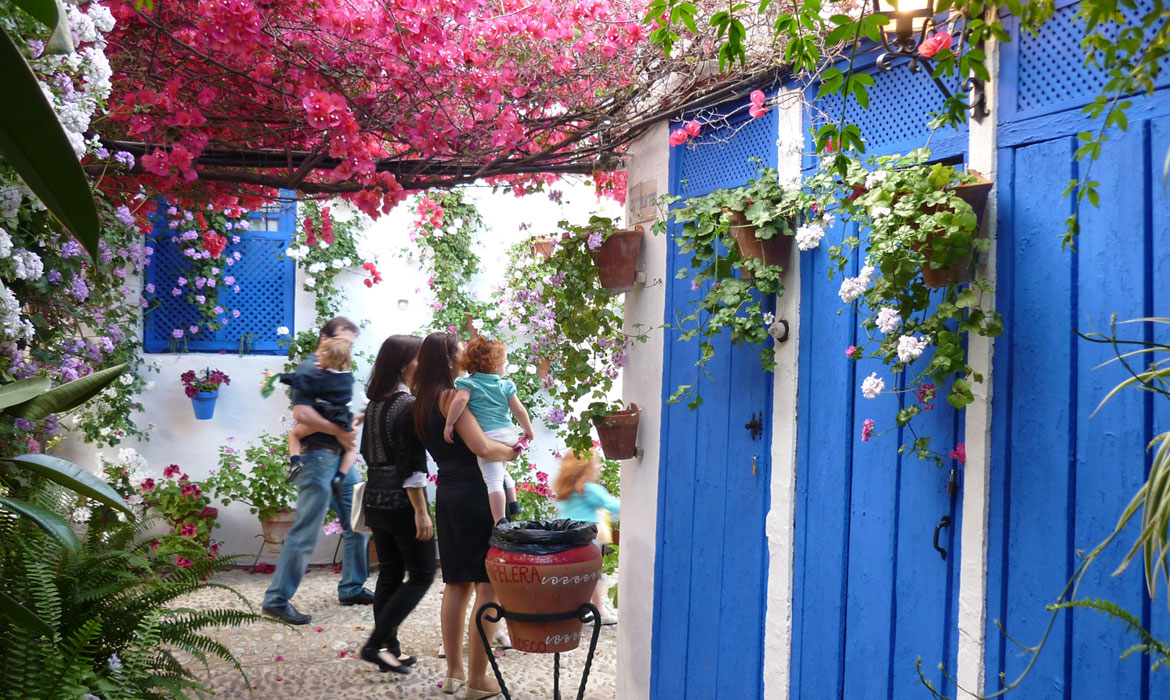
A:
(462, 513)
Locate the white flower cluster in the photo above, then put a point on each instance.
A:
(875, 178)
(78, 83)
(10, 198)
(808, 236)
(297, 252)
(911, 348)
(11, 324)
(853, 287)
(316, 268)
(888, 319)
(872, 385)
(5, 243)
(26, 265)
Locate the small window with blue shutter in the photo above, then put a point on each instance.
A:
(220, 290)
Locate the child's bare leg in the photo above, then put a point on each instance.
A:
(347, 460)
(496, 500)
(294, 439)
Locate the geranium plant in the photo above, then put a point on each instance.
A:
(207, 382)
(735, 285)
(912, 221)
(263, 487)
(187, 510)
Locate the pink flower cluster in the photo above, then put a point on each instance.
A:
(688, 131)
(757, 109)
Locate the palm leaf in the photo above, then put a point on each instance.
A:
(23, 390)
(68, 396)
(33, 142)
(52, 524)
(12, 609)
(73, 477)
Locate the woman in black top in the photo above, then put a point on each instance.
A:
(395, 500)
(461, 509)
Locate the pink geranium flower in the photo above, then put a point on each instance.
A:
(678, 137)
(693, 128)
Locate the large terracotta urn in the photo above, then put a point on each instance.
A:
(544, 567)
(276, 529)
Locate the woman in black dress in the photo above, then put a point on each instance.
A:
(395, 501)
(461, 509)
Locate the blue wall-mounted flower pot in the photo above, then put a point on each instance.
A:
(204, 404)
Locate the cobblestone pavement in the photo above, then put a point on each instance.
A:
(318, 660)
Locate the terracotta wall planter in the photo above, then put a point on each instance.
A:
(618, 433)
(617, 259)
(543, 247)
(975, 194)
(276, 530)
(774, 251)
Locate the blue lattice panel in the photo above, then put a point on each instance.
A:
(1047, 73)
(722, 156)
(897, 118)
(266, 279)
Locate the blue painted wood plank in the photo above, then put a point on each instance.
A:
(1110, 445)
(1060, 124)
(823, 487)
(870, 595)
(1037, 544)
(1158, 299)
(1000, 464)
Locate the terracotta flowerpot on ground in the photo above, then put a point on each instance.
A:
(553, 582)
(543, 247)
(618, 432)
(617, 259)
(276, 530)
(774, 251)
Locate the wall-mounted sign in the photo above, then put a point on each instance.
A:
(640, 198)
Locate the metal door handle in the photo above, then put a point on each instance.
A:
(945, 522)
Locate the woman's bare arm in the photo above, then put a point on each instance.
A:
(468, 428)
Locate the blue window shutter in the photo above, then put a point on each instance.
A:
(265, 276)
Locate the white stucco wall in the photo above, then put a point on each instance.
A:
(781, 519)
(241, 412)
(648, 162)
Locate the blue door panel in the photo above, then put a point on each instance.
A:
(711, 560)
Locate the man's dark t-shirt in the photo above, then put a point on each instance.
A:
(315, 440)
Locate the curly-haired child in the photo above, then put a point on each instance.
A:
(490, 399)
(580, 497)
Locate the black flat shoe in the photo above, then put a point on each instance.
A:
(287, 614)
(374, 656)
(363, 598)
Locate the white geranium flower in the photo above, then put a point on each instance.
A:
(872, 385)
(310, 282)
(853, 287)
(875, 178)
(888, 319)
(282, 330)
(808, 236)
(910, 348)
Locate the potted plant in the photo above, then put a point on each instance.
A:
(203, 390)
(917, 219)
(559, 310)
(616, 257)
(738, 241)
(264, 487)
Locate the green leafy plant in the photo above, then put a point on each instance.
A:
(735, 285)
(912, 222)
(264, 487)
(557, 310)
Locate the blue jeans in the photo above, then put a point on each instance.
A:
(314, 498)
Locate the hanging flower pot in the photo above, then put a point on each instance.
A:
(204, 404)
(544, 567)
(975, 194)
(617, 259)
(618, 432)
(773, 251)
(542, 368)
(276, 528)
(543, 247)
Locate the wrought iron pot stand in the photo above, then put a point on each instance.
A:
(494, 613)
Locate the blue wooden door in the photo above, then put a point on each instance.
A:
(711, 568)
(1060, 475)
(871, 594)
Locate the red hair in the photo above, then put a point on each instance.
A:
(483, 355)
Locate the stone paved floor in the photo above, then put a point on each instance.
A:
(317, 660)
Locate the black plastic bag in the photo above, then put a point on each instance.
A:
(543, 536)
